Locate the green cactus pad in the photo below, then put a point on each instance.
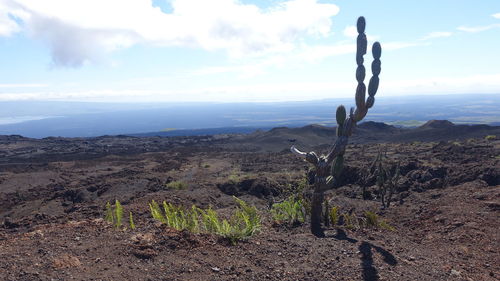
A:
(360, 114)
(376, 50)
(373, 86)
(360, 73)
(361, 24)
(338, 165)
(340, 115)
(376, 67)
(370, 101)
(359, 59)
(361, 44)
(360, 95)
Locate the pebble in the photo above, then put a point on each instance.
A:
(215, 269)
(455, 272)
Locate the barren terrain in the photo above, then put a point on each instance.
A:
(445, 214)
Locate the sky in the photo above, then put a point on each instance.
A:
(242, 51)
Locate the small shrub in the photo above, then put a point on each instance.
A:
(206, 166)
(233, 178)
(114, 215)
(350, 221)
(371, 219)
(290, 211)
(178, 185)
(387, 177)
(490, 137)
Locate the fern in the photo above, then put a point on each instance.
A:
(289, 211)
(118, 214)
(334, 215)
(349, 221)
(156, 212)
(244, 223)
(109, 217)
(176, 185)
(131, 221)
(247, 218)
(372, 220)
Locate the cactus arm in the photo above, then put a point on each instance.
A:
(297, 152)
(363, 105)
(311, 157)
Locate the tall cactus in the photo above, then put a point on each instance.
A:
(327, 174)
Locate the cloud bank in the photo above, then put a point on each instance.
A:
(476, 29)
(80, 31)
(437, 34)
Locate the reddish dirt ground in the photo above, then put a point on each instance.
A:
(53, 193)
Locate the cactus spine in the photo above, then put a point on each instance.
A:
(326, 174)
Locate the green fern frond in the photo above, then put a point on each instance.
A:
(118, 214)
(131, 221)
(109, 217)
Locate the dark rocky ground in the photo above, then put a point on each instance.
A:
(445, 212)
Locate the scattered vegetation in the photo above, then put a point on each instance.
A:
(386, 174)
(178, 185)
(290, 211)
(243, 224)
(387, 179)
(387, 182)
(334, 215)
(114, 215)
(233, 178)
(366, 177)
(109, 217)
(118, 214)
(131, 220)
(490, 137)
(351, 221)
(371, 219)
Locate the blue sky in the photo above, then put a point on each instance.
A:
(228, 50)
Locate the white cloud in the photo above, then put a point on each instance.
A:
(267, 92)
(437, 34)
(297, 57)
(80, 31)
(481, 83)
(497, 15)
(23, 85)
(8, 25)
(351, 31)
(475, 29)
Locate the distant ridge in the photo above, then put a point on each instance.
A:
(437, 124)
(309, 136)
(200, 132)
(371, 125)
